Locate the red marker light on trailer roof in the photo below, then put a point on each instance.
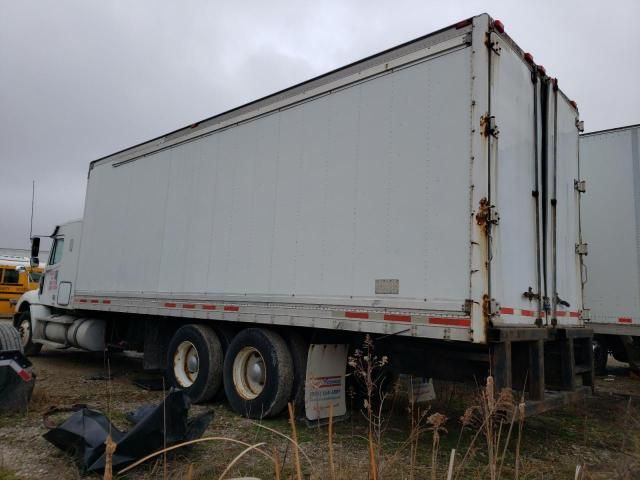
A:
(542, 70)
(573, 104)
(498, 26)
(528, 58)
(464, 23)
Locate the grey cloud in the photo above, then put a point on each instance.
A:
(80, 80)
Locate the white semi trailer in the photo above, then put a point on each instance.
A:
(427, 196)
(610, 164)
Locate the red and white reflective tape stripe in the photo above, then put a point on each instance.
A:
(533, 313)
(106, 301)
(450, 322)
(15, 366)
(201, 306)
(560, 313)
(517, 311)
(404, 318)
(625, 320)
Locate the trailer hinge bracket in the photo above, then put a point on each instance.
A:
(582, 249)
(490, 308)
(492, 44)
(580, 185)
(487, 214)
(488, 126)
(580, 125)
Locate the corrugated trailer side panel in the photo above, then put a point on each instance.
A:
(610, 163)
(317, 201)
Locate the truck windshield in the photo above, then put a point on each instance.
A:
(56, 251)
(34, 277)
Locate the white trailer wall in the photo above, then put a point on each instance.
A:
(315, 201)
(610, 162)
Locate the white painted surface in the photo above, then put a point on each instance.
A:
(567, 275)
(610, 162)
(294, 206)
(514, 247)
(320, 200)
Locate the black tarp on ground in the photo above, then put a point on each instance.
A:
(84, 433)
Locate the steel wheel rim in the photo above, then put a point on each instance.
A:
(249, 373)
(186, 364)
(25, 332)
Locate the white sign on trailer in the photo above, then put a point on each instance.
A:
(325, 386)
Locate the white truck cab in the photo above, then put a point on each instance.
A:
(59, 275)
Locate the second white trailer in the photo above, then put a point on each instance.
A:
(610, 164)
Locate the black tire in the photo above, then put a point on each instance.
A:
(23, 325)
(299, 349)
(208, 349)
(225, 335)
(9, 338)
(600, 354)
(273, 384)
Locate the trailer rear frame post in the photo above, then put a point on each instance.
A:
(524, 351)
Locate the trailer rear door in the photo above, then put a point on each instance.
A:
(512, 133)
(563, 258)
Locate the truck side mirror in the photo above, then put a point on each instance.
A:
(35, 249)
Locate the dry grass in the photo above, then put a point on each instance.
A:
(600, 435)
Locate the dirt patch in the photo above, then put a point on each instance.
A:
(601, 433)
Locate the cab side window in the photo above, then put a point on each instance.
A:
(57, 251)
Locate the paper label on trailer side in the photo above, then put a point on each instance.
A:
(325, 382)
(389, 286)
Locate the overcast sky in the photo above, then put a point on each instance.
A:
(83, 79)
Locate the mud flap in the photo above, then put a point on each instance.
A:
(632, 348)
(16, 381)
(325, 385)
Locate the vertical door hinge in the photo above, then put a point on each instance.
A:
(582, 249)
(488, 126)
(487, 214)
(492, 44)
(580, 185)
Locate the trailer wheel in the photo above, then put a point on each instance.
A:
(600, 354)
(9, 340)
(299, 349)
(258, 373)
(26, 334)
(194, 362)
(225, 335)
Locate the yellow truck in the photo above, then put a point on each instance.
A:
(16, 277)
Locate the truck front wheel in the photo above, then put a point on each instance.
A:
(258, 373)
(23, 325)
(194, 362)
